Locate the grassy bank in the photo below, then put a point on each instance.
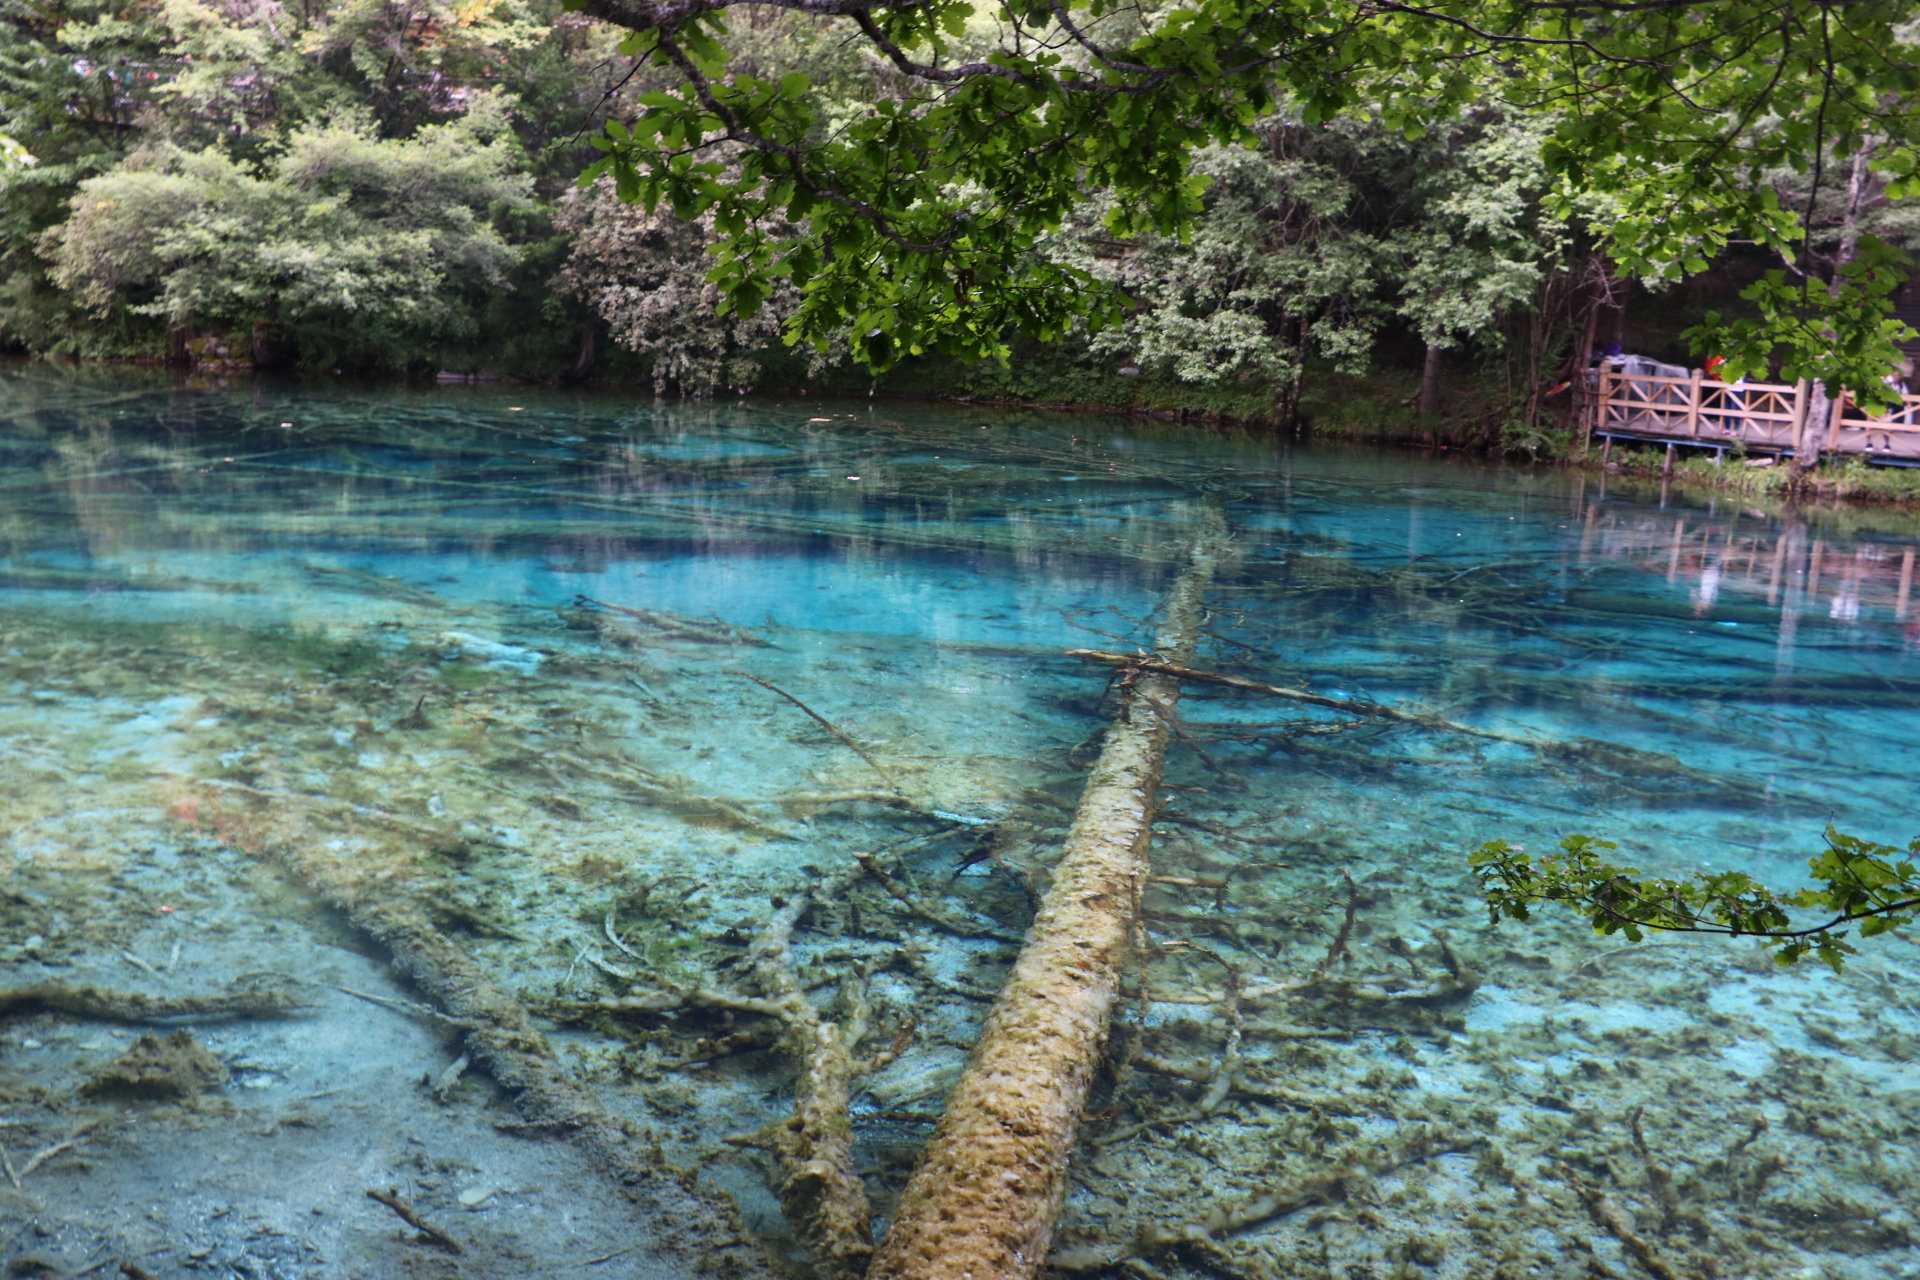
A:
(1850, 479)
(1377, 409)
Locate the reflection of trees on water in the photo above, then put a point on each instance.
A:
(1727, 558)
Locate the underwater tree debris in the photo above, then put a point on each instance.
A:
(826, 724)
(409, 1215)
(1610, 756)
(76, 1137)
(502, 1037)
(1337, 949)
(675, 627)
(870, 863)
(1221, 1075)
(459, 812)
(820, 1187)
(984, 1198)
(1240, 1082)
(1607, 1214)
(264, 997)
(1343, 1172)
(409, 1007)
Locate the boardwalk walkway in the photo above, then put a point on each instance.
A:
(1760, 418)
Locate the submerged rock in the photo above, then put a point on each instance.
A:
(492, 652)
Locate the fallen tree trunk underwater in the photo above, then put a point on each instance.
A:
(982, 1202)
(502, 1037)
(1595, 752)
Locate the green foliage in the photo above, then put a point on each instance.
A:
(1857, 882)
(1226, 194)
(1486, 240)
(1275, 270)
(644, 276)
(927, 213)
(1308, 246)
(197, 110)
(359, 245)
(1842, 335)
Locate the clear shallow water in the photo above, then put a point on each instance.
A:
(484, 654)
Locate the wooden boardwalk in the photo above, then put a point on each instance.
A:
(1760, 418)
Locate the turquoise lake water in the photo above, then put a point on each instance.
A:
(273, 657)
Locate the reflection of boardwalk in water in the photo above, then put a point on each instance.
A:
(1735, 561)
(1756, 417)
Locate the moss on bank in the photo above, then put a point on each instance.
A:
(1376, 407)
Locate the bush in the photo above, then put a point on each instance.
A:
(358, 249)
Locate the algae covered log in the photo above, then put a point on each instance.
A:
(983, 1200)
(502, 1036)
(260, 996)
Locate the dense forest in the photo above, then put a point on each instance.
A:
(376, 185)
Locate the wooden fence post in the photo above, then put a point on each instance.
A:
(1693, 406)
(1833, 420)
(1799, 415)
(1598, 417)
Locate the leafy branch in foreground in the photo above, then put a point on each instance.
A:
(1875, 885)
(923, 215)
(1802, 326)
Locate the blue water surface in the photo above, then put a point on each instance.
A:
(479, 610)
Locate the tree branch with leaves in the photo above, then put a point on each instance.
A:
(922, 213)
(1856, 883)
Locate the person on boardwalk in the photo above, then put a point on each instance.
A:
(1729, 398)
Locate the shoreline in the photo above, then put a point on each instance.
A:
(1836, 481)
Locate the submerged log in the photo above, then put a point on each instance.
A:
(1595, 753)
(983, 1201)
(503, 1038)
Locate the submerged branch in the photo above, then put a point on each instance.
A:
(503, 1038)
(826, 724)
(245, 999)
(1610, 756)
(1353, 706)
(820, 1187)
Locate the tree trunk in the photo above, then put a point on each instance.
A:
(1286, 406)
(1856, 204)
(1429, 402)
(1581, 397)
(1819, 413)
(982, 1202)
(589, 351)
(1617, 291)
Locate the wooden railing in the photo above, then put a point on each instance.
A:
(1764, 417)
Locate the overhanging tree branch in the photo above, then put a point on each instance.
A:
(1855, 881)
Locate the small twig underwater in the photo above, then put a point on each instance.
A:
(45, 1154)
(826, 724)
(391, 1198)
